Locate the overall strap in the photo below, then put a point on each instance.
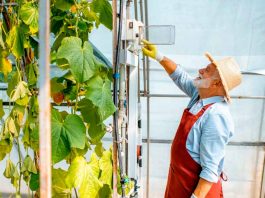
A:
(203, 110)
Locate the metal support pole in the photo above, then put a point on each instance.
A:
(144, 60)
(148, 104)
(44, 100)
(114, 145)
(135, 10)
(262, 186)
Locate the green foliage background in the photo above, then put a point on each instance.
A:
(85, 87)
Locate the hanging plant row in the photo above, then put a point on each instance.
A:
(85, 86)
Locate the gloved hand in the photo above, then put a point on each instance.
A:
(150, 50)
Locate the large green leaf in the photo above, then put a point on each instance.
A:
(84, 176)
(105, 164)
(66, 134)
(59, 188)
(104, 9)
(99, 92)
(16, 41)
(30, 15)
(91, 116)
(80, 58)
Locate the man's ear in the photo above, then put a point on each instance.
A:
(217, 83)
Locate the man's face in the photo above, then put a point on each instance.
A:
(209, 71)
(208, 78)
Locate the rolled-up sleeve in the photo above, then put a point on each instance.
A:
(183, 80)
(215, 136)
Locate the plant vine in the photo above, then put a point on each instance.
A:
(83, 84)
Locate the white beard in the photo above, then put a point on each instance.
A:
(202, 83)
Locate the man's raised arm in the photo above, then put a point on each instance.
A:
(181, 78)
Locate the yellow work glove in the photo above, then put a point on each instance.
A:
(151, 51)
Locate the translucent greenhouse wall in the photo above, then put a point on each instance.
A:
(224, 28)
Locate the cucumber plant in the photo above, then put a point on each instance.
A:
(84, 86)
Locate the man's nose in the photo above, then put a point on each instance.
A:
(201, 71)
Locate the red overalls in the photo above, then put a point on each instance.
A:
(184, 172)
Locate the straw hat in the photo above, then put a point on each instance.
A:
(229, 72)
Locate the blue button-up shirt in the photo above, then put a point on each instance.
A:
(209, 135)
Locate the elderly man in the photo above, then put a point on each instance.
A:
(198, 149)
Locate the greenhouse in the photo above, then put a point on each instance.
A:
(132, 99)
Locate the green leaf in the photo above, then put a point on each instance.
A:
(90, 15)
(10, 129)
(5, 148)
(56, 86)
(31, 126)
(12, 83)
(64, 4)
(5, 66)
(105, 191)
(75, 152)
(11, 172)
(2, 113)
(16, 41)
(66, 134)
(85, 176)
(27, 168)
(32, 72)
(80, 58)
(76, 172)
(30, 15)
(2, 44)
(103, 7)
(105, 164)
(59, 188)
(99, 92)
(34, 183)
(20, 94)
(90, 115)
(28, 165)
(99, 149)
(17, 114)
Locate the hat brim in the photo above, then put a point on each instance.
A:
(225, 86)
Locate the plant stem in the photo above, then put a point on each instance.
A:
(17, 62)
(28, 191)
(76, 195)
(77, 19)
(20, 164)
(76, 97)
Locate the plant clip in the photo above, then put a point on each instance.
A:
(116, 75)
(125, 180)
(125, 103)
